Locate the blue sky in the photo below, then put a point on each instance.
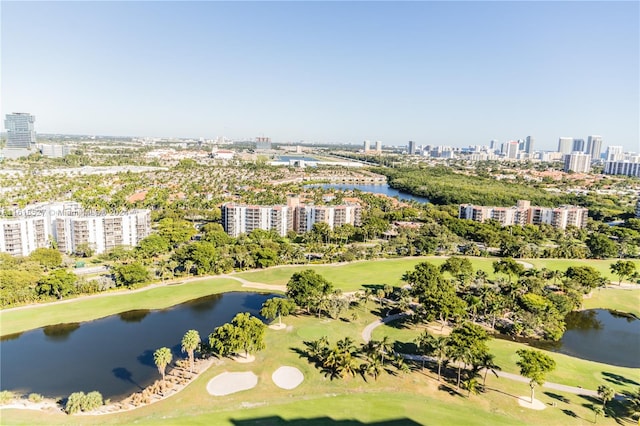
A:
(452, 73)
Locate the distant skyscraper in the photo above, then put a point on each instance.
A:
(511, 149)
(493, 145)
(528, 146)
(20, 131)
(578, 162)
(578, 145)
(614, 153)
(367, 146)
(412, 148)
(594, 147)
(379, 146)
(263, 143)
(565, 145)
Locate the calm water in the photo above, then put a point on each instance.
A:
(113, 355)
(377, 189)
(602, 336)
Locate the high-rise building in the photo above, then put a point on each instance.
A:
(70, 226)
(614, 153)
(578, 145)
(565, 145)
(20, 130)
(367, 146)
(528, 145)
(241, 218)
(594, 147)
(578, 162)
(378, 146)
(411, 148)
(628, 165)
(493, 144)
(523, 213)
(263, 143)
(511, 149)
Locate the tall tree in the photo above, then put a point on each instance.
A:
(607, 393)
(306, 286)
(277, 307)
(162, 357)
(534, 365)
(190, 342)
(623, 269)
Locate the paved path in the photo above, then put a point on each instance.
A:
(368, 330)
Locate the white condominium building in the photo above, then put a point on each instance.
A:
(70, 226)
(524, 213)
(241, 218)
(627, 164)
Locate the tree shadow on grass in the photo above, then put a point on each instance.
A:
(374, 287)
(502, 392)
(449, 389)
(405, 347)
(617, 379)
(555, 396)
(570, 413)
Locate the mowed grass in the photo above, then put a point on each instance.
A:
(618, 299)
(400, 399)
(404, 398)
(603, 266)
(569, 370)
(94, 307)
(352, 276)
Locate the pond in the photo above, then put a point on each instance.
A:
(376, 189)
(599, 335)
(113, 355)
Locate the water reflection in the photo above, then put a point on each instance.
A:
(596, 335)
(134, 316)
(60, 332)
(583, 320)
(113, 355)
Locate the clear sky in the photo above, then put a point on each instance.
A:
(450, 73)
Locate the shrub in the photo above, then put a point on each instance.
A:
(74, 402)
(91, 401)
(6, 396)
(35, 397)
(78, 401)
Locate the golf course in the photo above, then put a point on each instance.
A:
(393, 398)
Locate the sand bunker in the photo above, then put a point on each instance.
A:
(287, 377)
(525, 401)
(280, 326)
(228, 383)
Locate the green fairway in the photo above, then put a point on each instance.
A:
(90, 308)
(404, 399)
(352, 276)
(394, 398)
(562, 264)
(618, 299)
(570, 371)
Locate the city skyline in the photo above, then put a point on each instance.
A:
(458, 74)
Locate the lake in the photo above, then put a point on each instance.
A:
(113, 355)
(599, 335)
(376, 189)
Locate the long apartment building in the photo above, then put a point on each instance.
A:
(242, 218)
(524, 213)
(70, 226)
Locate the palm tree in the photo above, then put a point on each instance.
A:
(162, 357)
(486, 362)
(372, 367)
(441, 351)
(383, 347)
(606, 393)
(598, 411)
(471, 385)
(190, 343)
